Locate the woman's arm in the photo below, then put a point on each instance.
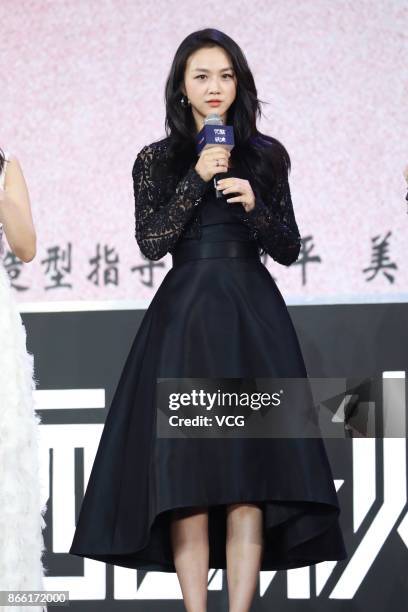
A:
(15, 213)
(157, 231)
(276, 229)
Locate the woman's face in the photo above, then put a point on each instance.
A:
(209, 75)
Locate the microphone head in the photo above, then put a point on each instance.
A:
(213, 119)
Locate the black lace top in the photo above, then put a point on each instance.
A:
(168, 212)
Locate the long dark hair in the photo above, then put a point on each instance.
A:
(263, 156)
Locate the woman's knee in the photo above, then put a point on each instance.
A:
(244, 510)
(190, 526)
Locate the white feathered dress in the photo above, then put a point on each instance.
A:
(21, 514)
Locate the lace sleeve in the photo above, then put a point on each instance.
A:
(275, 228)
(158, 224)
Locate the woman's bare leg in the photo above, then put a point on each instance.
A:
(189, 536)
(244, 549)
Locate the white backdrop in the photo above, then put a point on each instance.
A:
(83, 91)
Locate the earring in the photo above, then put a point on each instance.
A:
(184, 101)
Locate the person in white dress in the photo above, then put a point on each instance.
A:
(21, 515)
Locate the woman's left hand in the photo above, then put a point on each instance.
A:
(240, 186)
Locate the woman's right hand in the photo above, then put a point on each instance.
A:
(207, 167)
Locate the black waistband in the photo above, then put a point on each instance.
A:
(208, 250)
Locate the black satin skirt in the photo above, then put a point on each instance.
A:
(219, 316)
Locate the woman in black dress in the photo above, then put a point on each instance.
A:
(190, 504)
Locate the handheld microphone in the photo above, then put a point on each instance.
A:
(215, 133)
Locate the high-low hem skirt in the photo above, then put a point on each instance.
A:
(216, 318)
